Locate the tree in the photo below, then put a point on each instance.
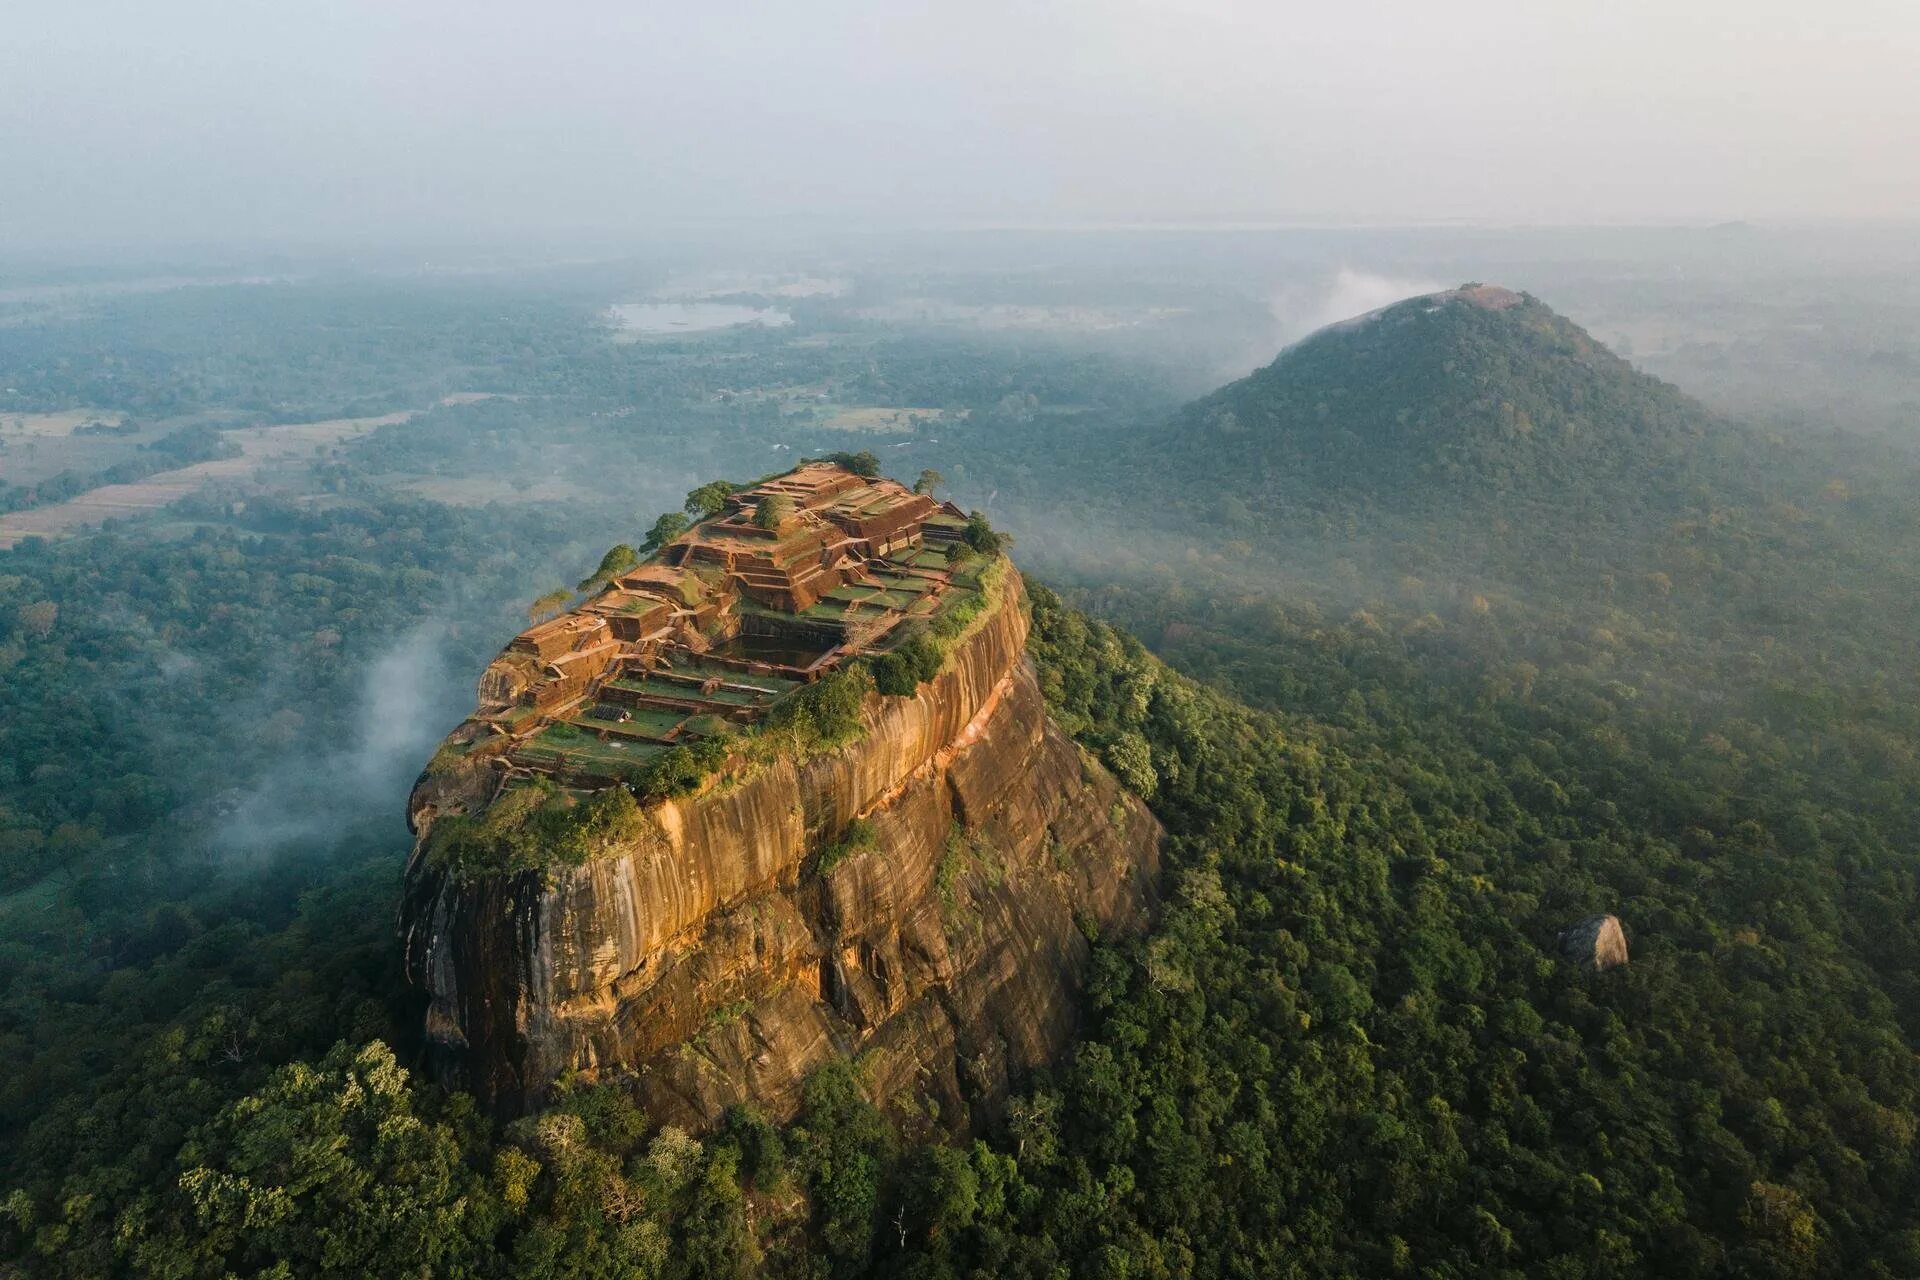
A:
(710, 499)
(716, 1239)
(929, 481)
(982, 537)
(773, 511)
(618, 560)
(37, 619)
(665, 530)
(1034, 1122)
(326, 1170)
(863, 463)
(763, 1155)
(942, 1191)
(549, 605)
(914, 661)
(1131, 759)
(845, 1146)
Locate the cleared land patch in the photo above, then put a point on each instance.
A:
(34, 448)
(261, 449)
(880, 419)
(478, 491)
(62, 423)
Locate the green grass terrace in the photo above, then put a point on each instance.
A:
(919, 558)
(564, 746)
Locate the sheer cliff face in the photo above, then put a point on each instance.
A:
(720, 963)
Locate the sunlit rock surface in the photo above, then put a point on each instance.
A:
(1597, 943)
(715, 963)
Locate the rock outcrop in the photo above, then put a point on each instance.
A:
(722, 958)
(1597, 943)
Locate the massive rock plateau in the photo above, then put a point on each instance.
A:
(721, 958)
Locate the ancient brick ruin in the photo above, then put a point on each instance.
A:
(717, 627)
(717, 942)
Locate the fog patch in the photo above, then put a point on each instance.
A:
(409, 696)
(1299, 310)
(402, 692)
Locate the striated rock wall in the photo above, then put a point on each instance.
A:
(716, 963)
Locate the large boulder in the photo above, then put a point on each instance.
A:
(1597, 943)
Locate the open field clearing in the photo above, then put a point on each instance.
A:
(37, 459)
(636, 320)
(35, 447)
(878, 419)
(478, 491)
(55, 424)
(261, 449)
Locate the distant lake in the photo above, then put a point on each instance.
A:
(692, 317)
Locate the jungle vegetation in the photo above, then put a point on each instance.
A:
(1641, 660)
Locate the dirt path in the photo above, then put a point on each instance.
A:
(260, 447)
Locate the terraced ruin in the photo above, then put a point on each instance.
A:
(786, 792)
(725, 621)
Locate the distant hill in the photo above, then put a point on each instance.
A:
(1450, 401)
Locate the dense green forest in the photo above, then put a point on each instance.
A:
(146, 681)
(1349, 1047)
(1644, 662)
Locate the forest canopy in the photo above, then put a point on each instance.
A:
(1646, 663)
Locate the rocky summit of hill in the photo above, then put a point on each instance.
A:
(784, 790)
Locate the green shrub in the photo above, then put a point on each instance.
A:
(773, 511)
(953, 865)
(858, 836)
(710, 499)
(902, 671)
(535, 827)
(618, 560)
(824, 714)
(665, 530)
(893, 676)
(923, 656)
(953, 620)
(677, 771)
(863, 463)
(982, 536)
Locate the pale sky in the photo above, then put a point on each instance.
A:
(196, 120)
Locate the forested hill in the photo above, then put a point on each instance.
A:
(1402, 733)
(1442, 404)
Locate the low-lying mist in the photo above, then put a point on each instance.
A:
(1301, 309)
(409, 695)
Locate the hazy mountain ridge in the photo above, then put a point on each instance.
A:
(1473, 394)
(1472, 717)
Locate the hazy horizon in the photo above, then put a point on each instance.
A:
(213, 121)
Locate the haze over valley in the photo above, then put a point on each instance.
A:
(1074, 642)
